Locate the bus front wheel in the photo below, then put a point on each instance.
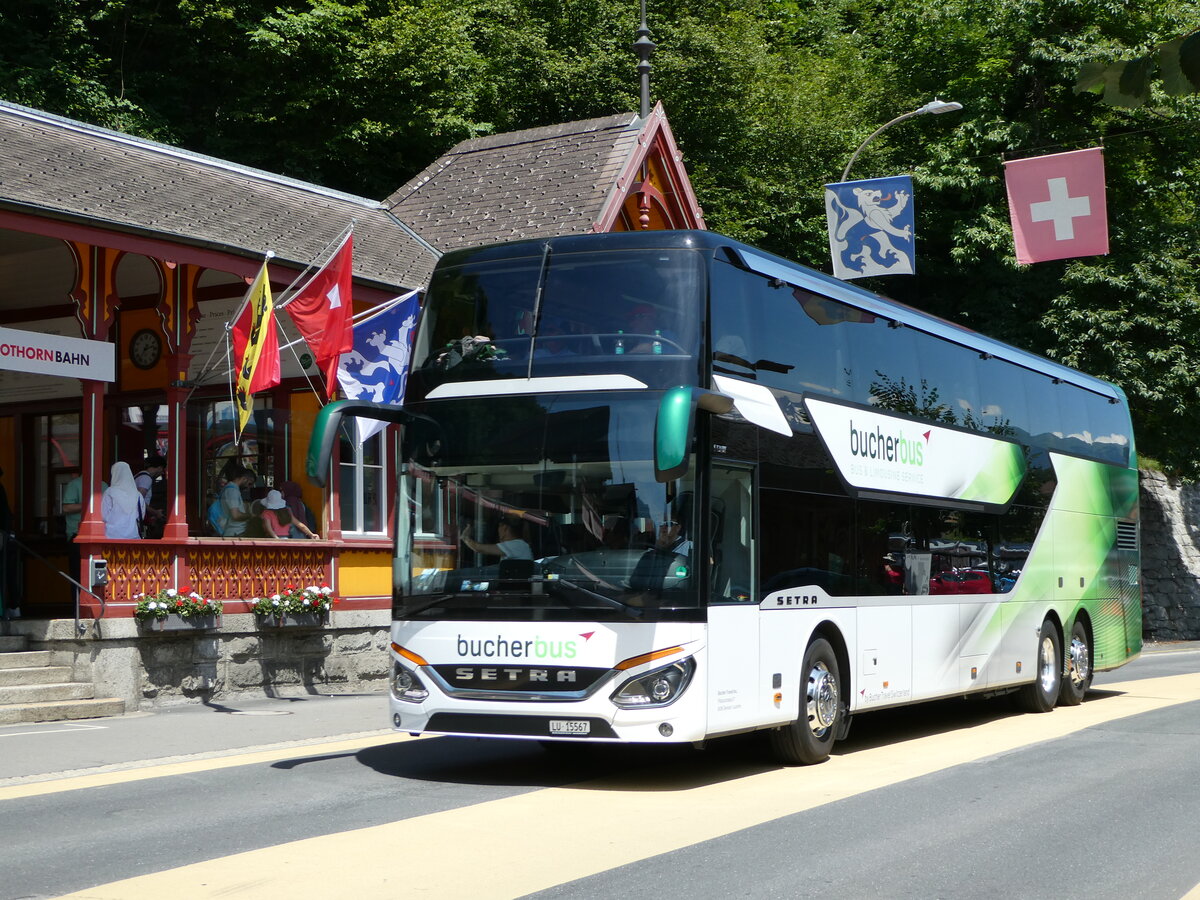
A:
(810, 738)
(1077, 677)
(1042, 695)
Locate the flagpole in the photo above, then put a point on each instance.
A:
(337, 244)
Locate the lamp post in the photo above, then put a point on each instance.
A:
(934, 106)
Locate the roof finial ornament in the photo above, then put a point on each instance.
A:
(644, 48)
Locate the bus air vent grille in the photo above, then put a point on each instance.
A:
(1127, 536)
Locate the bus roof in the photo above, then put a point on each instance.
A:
(773, 266)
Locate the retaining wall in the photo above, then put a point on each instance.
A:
(1170, 526)
(239, 658)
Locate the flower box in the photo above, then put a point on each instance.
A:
(295, 620)
(175, 622)
(293, 607)
(168, 609)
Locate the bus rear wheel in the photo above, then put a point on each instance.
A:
(1077, 677)
(1042, 695)
(810, 738)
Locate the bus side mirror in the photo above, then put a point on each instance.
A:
(329, 420)
(675, 424)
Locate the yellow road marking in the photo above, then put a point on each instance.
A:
(191, 766)
(529, 842)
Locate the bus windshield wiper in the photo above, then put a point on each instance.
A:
(557, 588)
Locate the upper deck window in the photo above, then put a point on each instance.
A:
(636, 312)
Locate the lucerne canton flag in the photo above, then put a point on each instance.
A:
(377, 368)
(871, 227)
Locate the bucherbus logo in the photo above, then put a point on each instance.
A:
(891, 448)
(532, 648)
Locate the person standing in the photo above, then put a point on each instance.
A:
(72, 509)
(121, 506)
(147, 480)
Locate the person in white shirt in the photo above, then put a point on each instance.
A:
(510, 545)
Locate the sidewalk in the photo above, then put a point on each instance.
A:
(188, 731)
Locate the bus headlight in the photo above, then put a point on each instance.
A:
(406, 685)
(660, 687)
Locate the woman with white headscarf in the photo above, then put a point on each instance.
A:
(122, 505)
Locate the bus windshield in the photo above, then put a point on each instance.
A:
(542, 507)
(635, 312)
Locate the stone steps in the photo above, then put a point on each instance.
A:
(33, 690)
(10, 677)
(24, 659)
(58, 711)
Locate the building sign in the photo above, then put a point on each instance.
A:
(40, 353)
(894, 455)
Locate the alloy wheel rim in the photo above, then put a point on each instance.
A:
(822, 699)
(1080, 662)
(1047, 661)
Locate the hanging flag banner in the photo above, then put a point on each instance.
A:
(255, 347)
(871, 227)
(1057, 205)
(322, 312)
(376, 368)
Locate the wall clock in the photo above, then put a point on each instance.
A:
(145, 349)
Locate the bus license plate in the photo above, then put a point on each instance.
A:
(570, 726)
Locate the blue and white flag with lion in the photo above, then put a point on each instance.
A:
(377, 368)
(871, 227)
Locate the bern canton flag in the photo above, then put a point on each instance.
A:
(1057, 205)
(377, 368)
(871, 227)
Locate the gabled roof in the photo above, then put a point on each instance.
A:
(51, 166)
(542, 182)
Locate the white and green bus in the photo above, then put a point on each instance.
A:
(663, 487)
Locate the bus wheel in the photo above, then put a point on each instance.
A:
(1078, 676)
(809, 739)
(1042, 695)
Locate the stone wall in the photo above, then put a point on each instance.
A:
(237, 659)
(1170, 526)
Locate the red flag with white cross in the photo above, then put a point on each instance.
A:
(322, 312)
(1057, 205)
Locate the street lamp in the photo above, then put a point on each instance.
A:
(935, 106)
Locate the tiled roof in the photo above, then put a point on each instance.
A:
(523, 184)
(78, 172)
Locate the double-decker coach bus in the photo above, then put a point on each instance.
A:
(663, 487)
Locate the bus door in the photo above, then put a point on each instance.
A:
(736, 698)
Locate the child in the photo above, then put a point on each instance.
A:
(278, 520)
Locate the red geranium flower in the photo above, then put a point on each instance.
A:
(179, 603)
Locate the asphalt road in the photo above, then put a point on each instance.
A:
(302, 798)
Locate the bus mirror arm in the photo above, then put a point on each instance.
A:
(675, 423)
(329, 421)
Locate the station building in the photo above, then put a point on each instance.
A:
(122, 263)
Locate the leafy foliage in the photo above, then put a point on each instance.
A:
(768, 98)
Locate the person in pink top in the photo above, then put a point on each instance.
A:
(278, 520)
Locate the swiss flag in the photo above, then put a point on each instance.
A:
(322, 312)
(1057, 205)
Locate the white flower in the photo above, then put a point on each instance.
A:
(151, 605)
(275, 600)
(171, 592)
(306, 601)
(326, 591)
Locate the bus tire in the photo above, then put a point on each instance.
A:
(1077, 670)
(1042, 695)
(810, 738)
